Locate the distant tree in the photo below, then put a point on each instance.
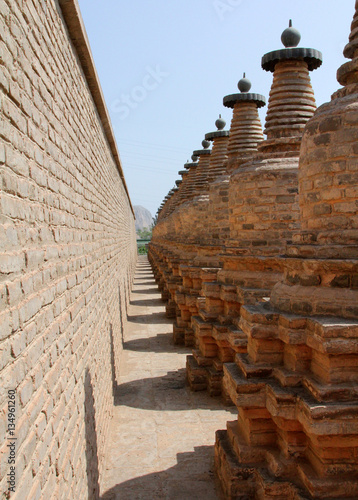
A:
(145, 233)
(142, 250)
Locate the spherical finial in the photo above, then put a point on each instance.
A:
(244, 84)
(291, 37)
(220, 123)
(194, 158)
(205, 144)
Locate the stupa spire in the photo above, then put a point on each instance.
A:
(218, 156)
(245, 130)
(292, 102)
(347, 74)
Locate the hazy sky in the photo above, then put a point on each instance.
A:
(165, 67)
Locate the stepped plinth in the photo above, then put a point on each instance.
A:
(295, 387)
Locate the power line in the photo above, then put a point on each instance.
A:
(151, 145)
(147, 156)
(133, 166)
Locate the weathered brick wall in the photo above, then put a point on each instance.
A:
(263, 204)
(67, 255)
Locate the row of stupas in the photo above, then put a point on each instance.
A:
(256, 253)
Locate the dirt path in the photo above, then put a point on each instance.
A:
(162, 435)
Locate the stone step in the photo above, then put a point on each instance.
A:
(226, 319)
(179, 298)
(201, 360)
(196, 375)
(330, 392)
(219, 332)
(228, 293)
(287, 378)
(244, 453)
(207, 316)
(201, 327)
(189, 271)
(237, 339)
(215, 378)
(211, 289)
(209, 274)
(238, 482)
(252, 370)
(218, 365)
(291, 404)
(241, 391)
(260, 313)
(328, 487)
(251, 296)
(189, 337)
(271, 488)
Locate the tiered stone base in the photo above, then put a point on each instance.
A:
(218, 335)
(250, 480)
(297, 397)
(188, 297)
(254, 470)
(180, 274)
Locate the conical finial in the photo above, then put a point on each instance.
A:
(220, 123)
(205, 144)
(290, 37)
(194, 158)
(244, 84)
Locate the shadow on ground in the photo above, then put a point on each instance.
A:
(173, 483)
(150, 319)
(146, 290)
(147, 302)
(169, 392)
(145, 282)
(159, 343)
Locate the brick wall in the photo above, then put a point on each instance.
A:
(67, 252)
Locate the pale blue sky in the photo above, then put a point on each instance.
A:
(165, 67)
